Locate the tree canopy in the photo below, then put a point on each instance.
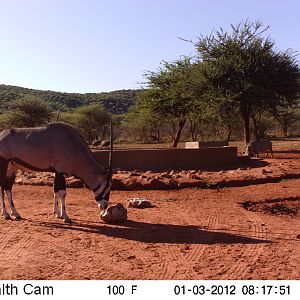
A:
(90, 120)
(173, 92)
(245, 68)
(26, 112)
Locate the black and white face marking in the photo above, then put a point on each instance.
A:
(102, 192)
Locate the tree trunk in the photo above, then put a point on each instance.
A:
(158, 131)
(193, 135)
(255, 127)
(178, 133)
(246, 129)
(285, 130)
(228, 132)
(246, 118)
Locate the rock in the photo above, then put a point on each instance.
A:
(19, 181)
(192, 172)
(176, 176)
(118, 184)
(132, 183)
(155, 184)
(165, 175)
(172, 184)
(114, 214)
(134, 174)
(74, 183)
(172, 172)
(193, 176)
(139, 203)
(30, 175)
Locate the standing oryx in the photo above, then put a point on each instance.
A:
(56, 148)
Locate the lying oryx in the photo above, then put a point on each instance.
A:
(56, 148)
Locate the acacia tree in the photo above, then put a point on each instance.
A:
(90, 120)
(286, 118)
(143, 124)
(27, 112)
(171, 93)
(244, 66)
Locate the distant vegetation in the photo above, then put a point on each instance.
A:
(238, 85)
(116, 102)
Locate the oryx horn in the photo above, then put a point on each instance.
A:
(111, 150)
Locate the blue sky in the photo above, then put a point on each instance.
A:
(104, 45)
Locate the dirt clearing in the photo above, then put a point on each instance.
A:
(189, 234)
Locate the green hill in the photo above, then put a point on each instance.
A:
(116, 102)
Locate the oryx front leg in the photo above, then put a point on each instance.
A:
(12, 206)
(55, 205)
(4, 211)
(60, 190)
(63, 213)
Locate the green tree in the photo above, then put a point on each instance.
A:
(90, 120)
(172, 93)
(286, 118)
(27, 112)
(244, 67)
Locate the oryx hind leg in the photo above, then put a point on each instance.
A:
(10, 179)
(7, 179)
(60, 192)
(3, 208)
(3, 171)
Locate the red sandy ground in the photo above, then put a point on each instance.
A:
(190, 233)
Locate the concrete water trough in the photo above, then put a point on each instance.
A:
(205, 144)
(164, 159)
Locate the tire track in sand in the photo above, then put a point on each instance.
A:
(5, 238)
(251, 252)
(186, 258)
(199, 249)
(173, 256)
(15, 248)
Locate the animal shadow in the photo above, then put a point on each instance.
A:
(158, 233)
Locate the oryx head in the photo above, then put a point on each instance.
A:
(102, 191)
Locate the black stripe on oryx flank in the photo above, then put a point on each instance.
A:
(30, 167)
